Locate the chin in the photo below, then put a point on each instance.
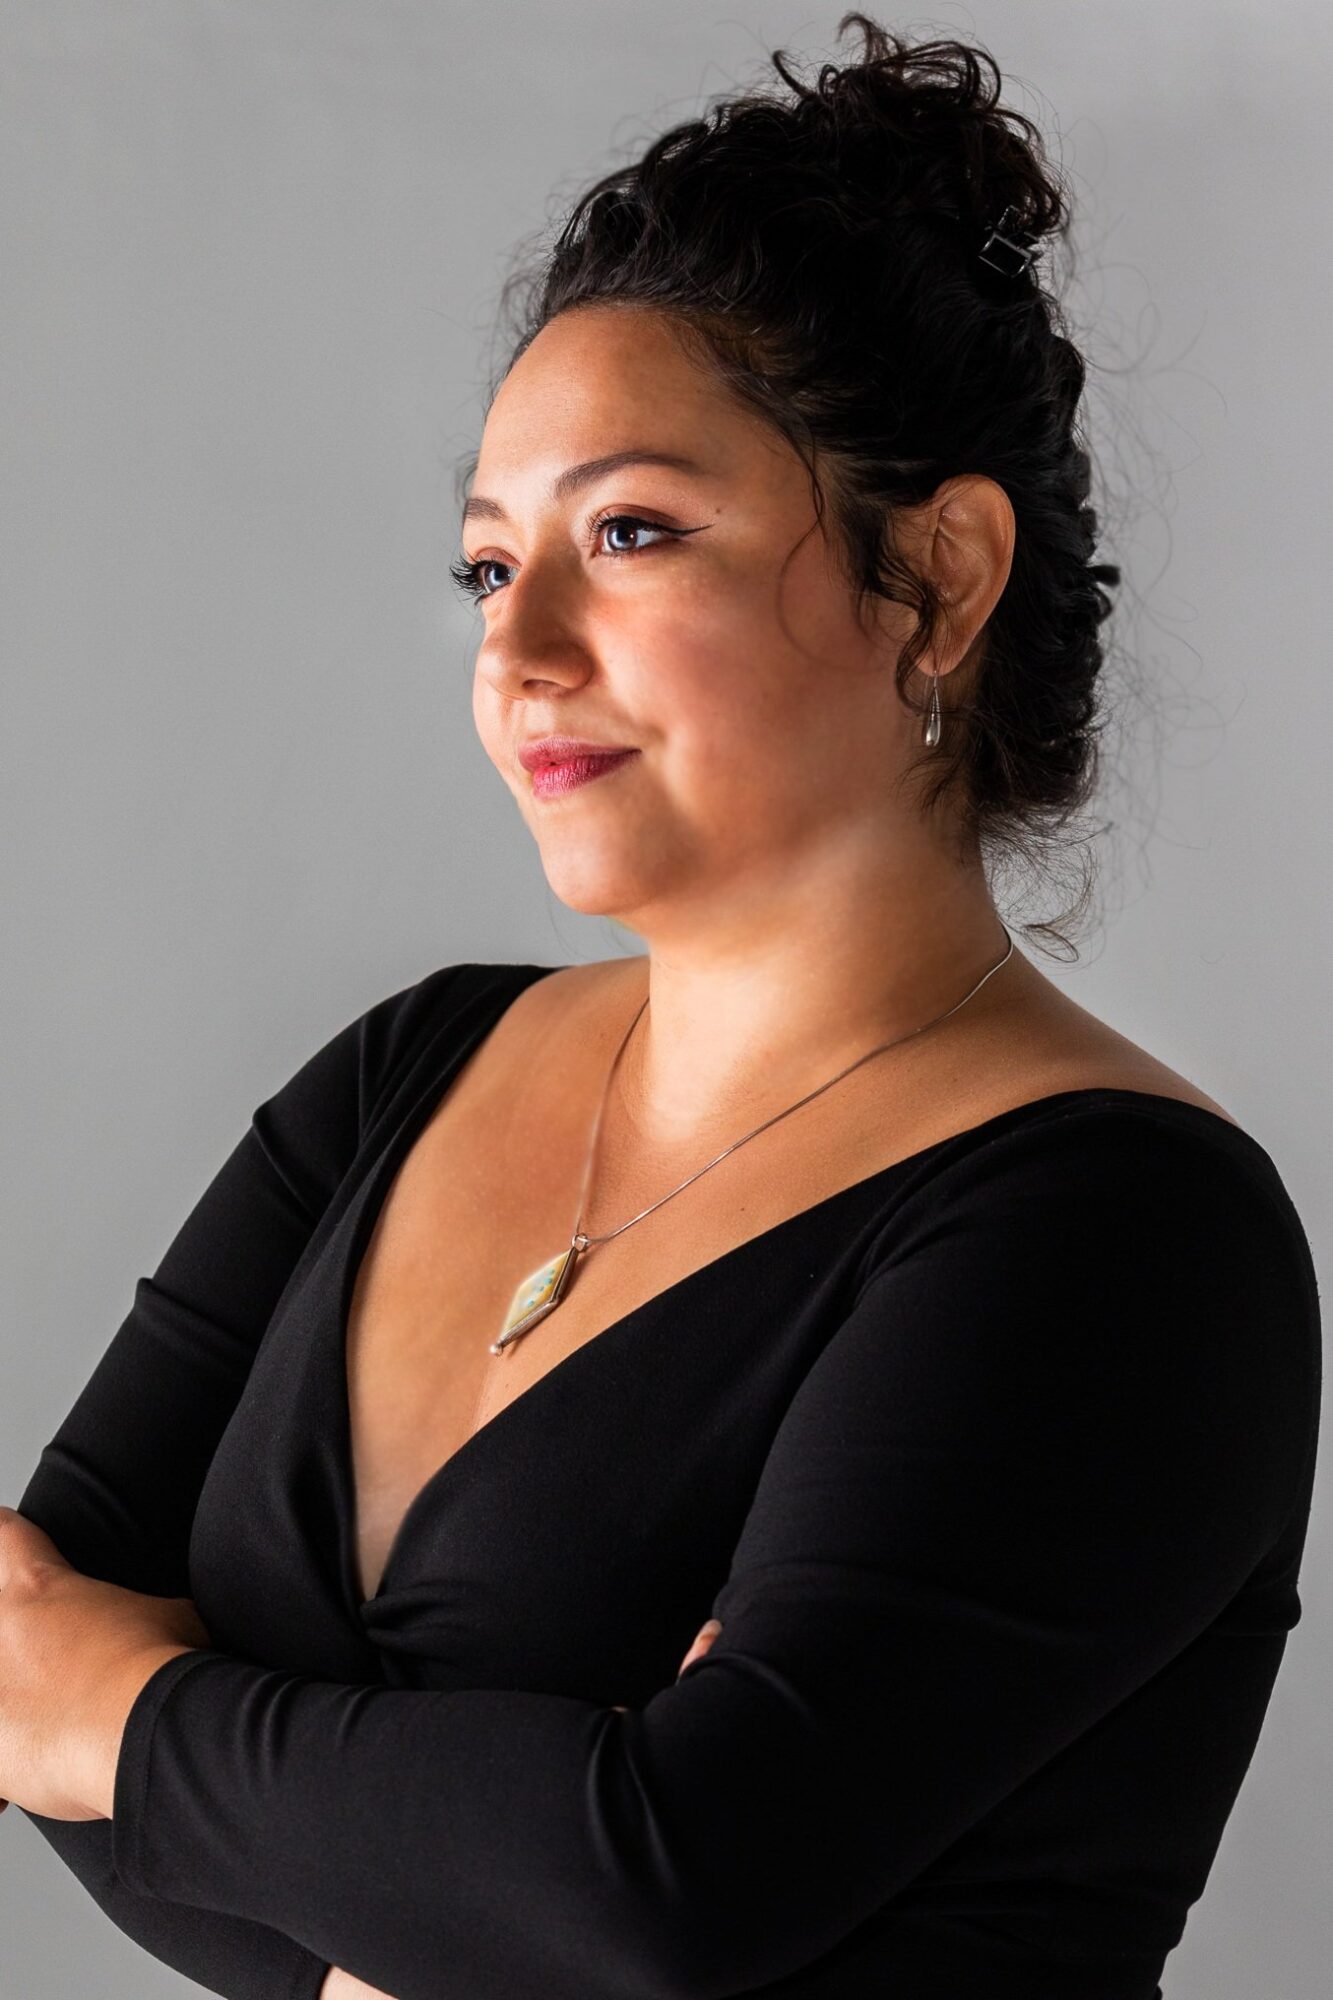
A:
(606, 869)
(593, 887)
(588, 902)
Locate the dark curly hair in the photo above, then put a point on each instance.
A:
(822, 253)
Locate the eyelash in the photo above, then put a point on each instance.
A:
(464, 574)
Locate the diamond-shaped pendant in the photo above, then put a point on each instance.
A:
(540, 1293)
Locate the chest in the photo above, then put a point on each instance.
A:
(485, 1197)
(488, 1192)
(392, 1500)
(403, 1505)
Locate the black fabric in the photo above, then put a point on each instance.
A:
(996, 1466)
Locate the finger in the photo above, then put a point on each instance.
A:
(192, 1627)
(35, 1541)
(706, 1636)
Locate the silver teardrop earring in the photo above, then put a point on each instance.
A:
(932, 729)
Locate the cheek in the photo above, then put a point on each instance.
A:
(747, 752)
(488, 720)
(741, 695)
(761, 743)
(713, 664)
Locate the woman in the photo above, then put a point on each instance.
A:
(824, 1272)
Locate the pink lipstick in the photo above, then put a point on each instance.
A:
(550, 781)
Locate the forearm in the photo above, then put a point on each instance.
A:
(227, 1955)
(118, 1485)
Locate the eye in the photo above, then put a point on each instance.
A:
(468, 575)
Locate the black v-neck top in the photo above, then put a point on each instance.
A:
(995, 1466)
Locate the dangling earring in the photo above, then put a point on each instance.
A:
(932, 729)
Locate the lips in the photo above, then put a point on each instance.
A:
(557, 749)
(552, 780)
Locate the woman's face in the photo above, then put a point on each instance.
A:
(714, 634)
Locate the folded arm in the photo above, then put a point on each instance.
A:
(1049, 1444)
(116, 1487)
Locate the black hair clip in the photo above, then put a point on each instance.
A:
(1019, 256)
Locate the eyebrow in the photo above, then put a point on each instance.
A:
(476, 507)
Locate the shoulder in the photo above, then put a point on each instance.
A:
(582, 1008)
(1108, 1194)
(353, 1068)
(534, 990)
(1109, 1235)
(445, 1005)
(370, 1051)
(1128, 1147)
(1047, 1032)
(598, 982)
(1106, 1237)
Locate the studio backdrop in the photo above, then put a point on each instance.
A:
(252, 259)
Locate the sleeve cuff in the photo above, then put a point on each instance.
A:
(131, 1850)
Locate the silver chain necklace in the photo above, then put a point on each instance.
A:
(543, 1289)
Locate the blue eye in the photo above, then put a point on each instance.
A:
(467, 575)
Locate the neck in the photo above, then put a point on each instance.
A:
(736, 1029)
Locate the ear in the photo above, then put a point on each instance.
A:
(965, 539)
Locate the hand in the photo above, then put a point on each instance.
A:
(702, 1641)
(340, 1985)
(74, 1655)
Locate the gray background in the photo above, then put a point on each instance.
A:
(250, 256)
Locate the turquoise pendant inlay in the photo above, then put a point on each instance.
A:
(540, 1293)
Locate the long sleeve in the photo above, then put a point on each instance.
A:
(1067, 1417)
(117, 1485)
